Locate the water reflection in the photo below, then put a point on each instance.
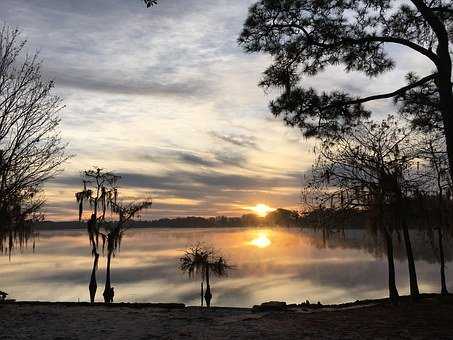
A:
(261, 240)
(271, 264)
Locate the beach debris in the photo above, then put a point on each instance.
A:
(270, 306)
(3, 296)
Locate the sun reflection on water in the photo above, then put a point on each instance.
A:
(270, 263)
(261, 241)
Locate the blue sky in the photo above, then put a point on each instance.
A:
(166, 98)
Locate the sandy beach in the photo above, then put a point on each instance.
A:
(432, 318)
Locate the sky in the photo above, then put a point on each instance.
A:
(166, 98)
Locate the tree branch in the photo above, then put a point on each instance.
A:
(400, 91)
(372, 38)
(448, 10)
(427, 53)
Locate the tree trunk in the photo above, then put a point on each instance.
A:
(415, 293)
(443, 81)
(442, 223)
(201, 293)
(108, 290)
(207, 294)
(93, 286)
(444, 290)
(393, 291)
(448, 132)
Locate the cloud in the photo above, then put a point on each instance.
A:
(185, 180)
(231, 158)
(194, 159)
(163, 96)
(237, 139)
(87, 81)
(208, 159)
(212, 192)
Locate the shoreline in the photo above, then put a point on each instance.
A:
(265, 306)
(430, 318)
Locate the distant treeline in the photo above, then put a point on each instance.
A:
(319, 218)
(279, 217)
(282, 217)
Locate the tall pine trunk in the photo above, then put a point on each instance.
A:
(448, 132)
(443, 83)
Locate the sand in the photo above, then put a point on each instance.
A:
(432, 318)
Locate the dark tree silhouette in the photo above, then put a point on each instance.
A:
(439, 186)
(100, 191)
(202, 261)
(371, 168)
(31, 150)
(306, 36)
(113, 233)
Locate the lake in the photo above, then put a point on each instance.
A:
(285, 264)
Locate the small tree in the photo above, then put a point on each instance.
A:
(202, 261)
(31, 149)
(306, 36)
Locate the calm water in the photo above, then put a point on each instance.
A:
(271, 264)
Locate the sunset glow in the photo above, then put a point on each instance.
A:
(261, 209)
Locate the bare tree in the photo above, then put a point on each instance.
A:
(31, 149)
(371, 168)
(438, 186)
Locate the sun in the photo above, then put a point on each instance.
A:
(261, 209)
(261, 241)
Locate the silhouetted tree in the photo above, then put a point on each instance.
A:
(306, 36)
(202, 261)
(282, 217)
(320, 212)
(99, 191)
(113, 234)
(439, 186)
(31, 150)
(370, 168)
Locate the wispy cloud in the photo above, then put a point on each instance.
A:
(236, 139)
